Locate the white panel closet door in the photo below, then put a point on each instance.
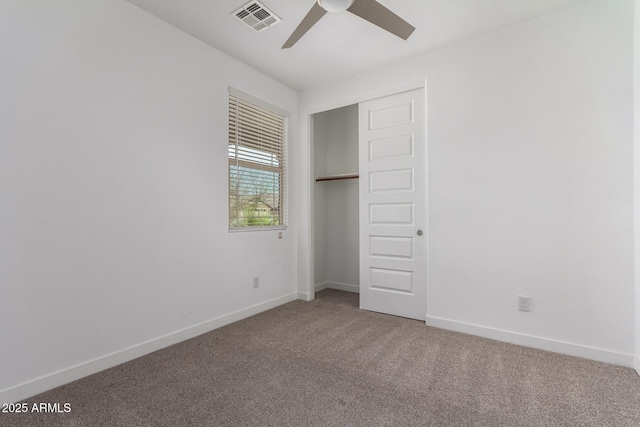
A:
(393, 205)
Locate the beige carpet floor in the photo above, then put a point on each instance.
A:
(327, 363)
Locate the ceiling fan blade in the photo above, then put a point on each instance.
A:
(374, 12)
(309, 21)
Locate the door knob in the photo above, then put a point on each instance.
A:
(419, 233)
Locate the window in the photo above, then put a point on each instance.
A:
(257, 163)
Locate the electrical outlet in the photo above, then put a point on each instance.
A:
(524, 303)
(280, 235)
(256, 282)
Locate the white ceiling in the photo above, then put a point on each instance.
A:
(340, 44)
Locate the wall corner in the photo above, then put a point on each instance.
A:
(636, 171)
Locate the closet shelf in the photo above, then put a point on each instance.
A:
(337, 177)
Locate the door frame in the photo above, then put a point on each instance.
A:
(306, 277)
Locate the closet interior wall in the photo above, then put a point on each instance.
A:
(336, 226)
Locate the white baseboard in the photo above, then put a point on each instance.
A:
(586, 352)
(320, 287)
(73, 373)
(305, 296)
(339, 286)
(636, 364)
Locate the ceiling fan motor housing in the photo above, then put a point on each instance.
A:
(335, 6)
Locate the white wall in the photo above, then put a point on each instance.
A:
(336, 202)
(319, 123)
(636, 153)
(530, 178)
(113, 188)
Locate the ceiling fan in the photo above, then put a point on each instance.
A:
(369, 10)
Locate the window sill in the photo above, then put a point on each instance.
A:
(248, 229)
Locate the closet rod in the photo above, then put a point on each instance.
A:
(337, 177)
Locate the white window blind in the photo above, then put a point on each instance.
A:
(257, 163)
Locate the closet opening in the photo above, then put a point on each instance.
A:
(369, 210)
(336, 201)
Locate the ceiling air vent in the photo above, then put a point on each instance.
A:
(256, 15)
